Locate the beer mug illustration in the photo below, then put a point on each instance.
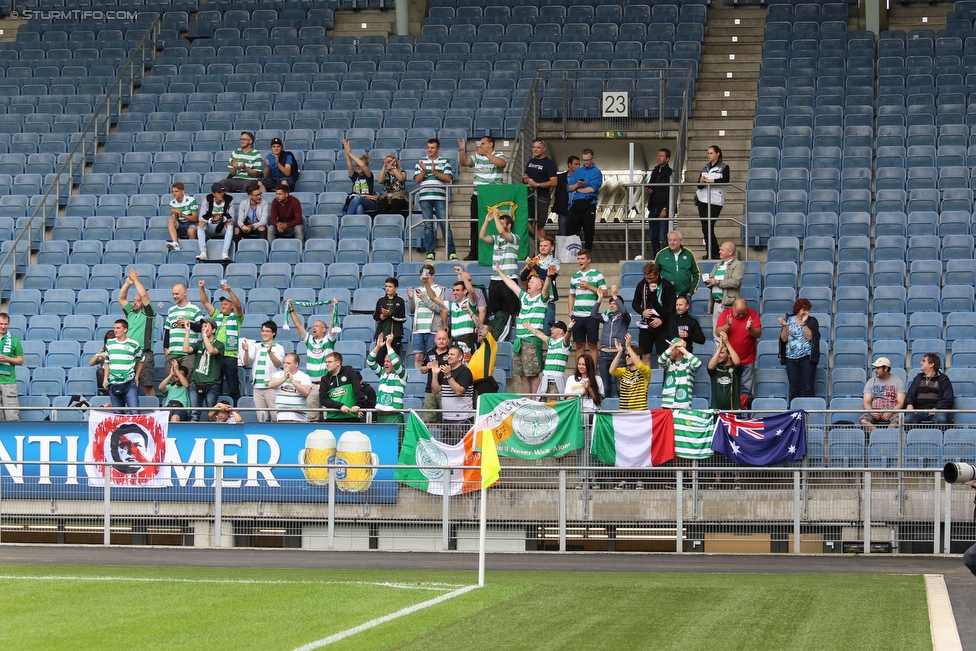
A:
(320, 449)
(354, 449)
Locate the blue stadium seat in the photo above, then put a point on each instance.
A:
(883, 448)
(845, 447)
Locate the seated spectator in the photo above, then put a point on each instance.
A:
(362, 199)
(291, 391)
(245, 167)
(929, 392)
(176, 388)
(634, 376)
(286, 216)
(725, 369)
(799, 349)
(687, 326)
(280, 167)
(393, 198)
(217, 221)
(882, 394)
(252, 215)
(679, 368)
(223, 413)
(183, 217)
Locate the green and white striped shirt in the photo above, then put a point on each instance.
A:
(122, 357)
(423, 317)
(534, 311)
(228, 331)
(505, 255)
(389, 395)
(190, 312)
(585, 299)
(679, 380)
(431, 187)
(186, 207)
(252, 159)
(289, 402)
(557, 356)
(261, 362)
(461, 322)
(316, 350)
(486, 172)
(718, 274)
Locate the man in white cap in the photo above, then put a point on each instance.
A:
(881, 393)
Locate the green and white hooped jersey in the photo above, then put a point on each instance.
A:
(679, 380)
(261, 362)
(461, 322)
(190, 312)
(585, 299)
(534, 311)
(316, 350)
(423, 317)
(505, 255)
(228, 331)
(287, 397)
(557, 356)
(122, 358)
(186, 207)
(431, 187)
(252, 159)
(486, 172)
(718, 274)
(389, 394)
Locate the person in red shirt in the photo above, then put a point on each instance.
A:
(286, 216)
(744, 329)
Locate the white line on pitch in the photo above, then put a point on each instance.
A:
(403, 586)
(942, 623)
(386, 618)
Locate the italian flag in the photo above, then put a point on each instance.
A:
(638, 439)
(419, 449)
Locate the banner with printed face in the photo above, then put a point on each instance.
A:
(129, 442)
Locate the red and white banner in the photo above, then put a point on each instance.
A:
(130, 442)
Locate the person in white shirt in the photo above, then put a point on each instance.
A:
(266, 357)
(291, 391)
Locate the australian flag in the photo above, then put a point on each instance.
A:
(780, 438)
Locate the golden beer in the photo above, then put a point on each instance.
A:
(320, 449)
(355, 449)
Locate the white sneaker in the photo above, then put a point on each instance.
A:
(621, 486)
(173, 246)
(225, 256)
(202, 255)
(640, 486)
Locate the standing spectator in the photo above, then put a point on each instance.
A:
(228, 325)
(245, 167)
(183, 217)
(584, 191)
(679, 368)
(725, 370)
(658, 200)
(505, 250)
(433, 174)
(265, 357)
(425, 321)
(217, 221)
(489, 165)
(291, 391)
(883, 394)
(560, 197)
(616, 321)
(929, 393)
(390, 314)
(280, 167)
(586, 383)
(710, 198)
(634, 376)
(362, 199)
(456, 385)
(654, 300)
(393, 380)
(286, 216)
(724, 284)
(393, 199)
(744, 328)
(140, 315)
(527, 347)
(460, 309)
(174, 328)
(253, 215)
(123, 357)
(341, 390)
(546, 264)
(540, 175)
(585, 289)
(799, 349)
(438, 353)
(206, 369)
(686, 325)
(679, 266)
(11, 355)
(557, 355)
(318, 343)
(176, 389)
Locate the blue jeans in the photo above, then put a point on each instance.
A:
(800, 373)
(422, 342)
(919, 416)
(428, 208)
(125, 394)
(206, 398)
(550, 317)
(657, 230)
(611, 385)
(360, 205)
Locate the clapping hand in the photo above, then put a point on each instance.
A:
(389, 340)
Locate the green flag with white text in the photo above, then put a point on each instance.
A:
(511, 200)
(528, 429)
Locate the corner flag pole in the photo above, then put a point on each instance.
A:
(489, 475)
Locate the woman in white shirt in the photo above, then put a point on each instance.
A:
(586, 382)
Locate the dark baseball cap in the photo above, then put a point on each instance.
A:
(558, 324)
(277, 141)
(207, 319)
(218, 187)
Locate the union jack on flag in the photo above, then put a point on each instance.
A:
(779, 438)
(751, 426)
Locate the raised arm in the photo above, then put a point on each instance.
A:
(511, 284)
(296, 320)
(204, 299)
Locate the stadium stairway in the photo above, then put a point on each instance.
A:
(723, 111)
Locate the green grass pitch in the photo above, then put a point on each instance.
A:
(86, 607)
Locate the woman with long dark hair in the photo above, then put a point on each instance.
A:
(586, 382)
(711, 197)
(799, 348)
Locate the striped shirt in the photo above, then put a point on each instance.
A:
(719, 274)
(316, 350)
(261, 362)
(633, 386)
(423, 316)
(505, 255)
(431, 187)
(186, 207)
(557, 356)
(679, 380)
(122, 356)
(252, 159)
(228, 331)
(461, 322)
(289, 402)
(585, 299)
(486, 172)
(389, 395)
(534, 311)
(190, 312)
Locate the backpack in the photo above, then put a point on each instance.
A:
(295, 172)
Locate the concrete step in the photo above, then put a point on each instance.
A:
(741, 58)
(8, 29)
(718, 77)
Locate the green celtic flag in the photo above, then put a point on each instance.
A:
(527, 429)
(511, 200)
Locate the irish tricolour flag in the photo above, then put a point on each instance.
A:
(638, 439)
(419, 449)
